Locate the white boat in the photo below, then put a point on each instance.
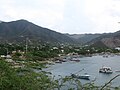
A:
(75, 59)
(85, 76)
(58, 61)
(106, 70)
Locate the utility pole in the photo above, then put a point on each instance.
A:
(7, 50)
(26, 46)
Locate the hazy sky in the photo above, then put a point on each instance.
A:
(66, 16)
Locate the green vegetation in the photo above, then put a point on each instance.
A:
(12, 79)
(26, 79)
(20, 73)
(43, 51)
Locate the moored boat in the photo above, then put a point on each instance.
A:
(85, 76)
(117, 71)
(106, 70)
(58, 61)
(75, 59)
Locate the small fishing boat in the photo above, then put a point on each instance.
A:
(58, 61)
(117, 71)
(85, 76)
(75, 59)
(105, 56)
(62, 60)
(106, 70)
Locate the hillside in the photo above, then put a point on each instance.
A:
(83, 38)
(18, 31)
(111, 40)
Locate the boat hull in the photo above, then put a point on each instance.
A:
(106, 70)
(81, 76)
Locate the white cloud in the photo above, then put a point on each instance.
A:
(104, 14)
(72, 16)
(44, 12)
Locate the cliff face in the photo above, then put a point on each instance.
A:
(111, 40)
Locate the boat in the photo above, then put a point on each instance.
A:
(75, 59)
(58, 61)
(85, 76)
(117, 71)
(106, 70)
(105, 56)
(62, 60)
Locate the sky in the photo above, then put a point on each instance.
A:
(65, 16)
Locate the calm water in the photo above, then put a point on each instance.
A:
(91, 66)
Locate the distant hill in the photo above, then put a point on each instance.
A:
(1, 21)
(111, 40)
(18, 31)
(83, 38)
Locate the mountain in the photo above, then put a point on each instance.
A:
(110, 40)
(18, 31)
(83, 38)
(1, 21)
